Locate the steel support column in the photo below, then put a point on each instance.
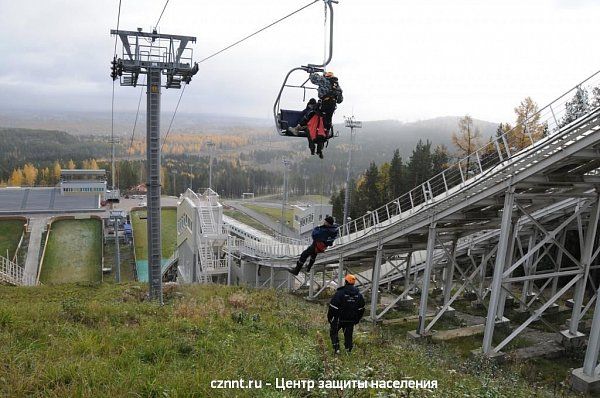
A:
(503, 242)
(586, 257)
(375, 282)
(340, 277)
(593, 349)
(510, 253)
(448, 274)
(153, 183)
(426, 279)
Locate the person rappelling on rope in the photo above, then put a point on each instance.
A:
(320, 127)
(323, 237)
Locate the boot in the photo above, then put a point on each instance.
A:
(320, 153)
(296, 271)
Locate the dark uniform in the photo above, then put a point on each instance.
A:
(346, 309)
(323, 236)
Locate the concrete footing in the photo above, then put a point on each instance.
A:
(584, 383)
(495, 356)
(572, 340)
(413, 335)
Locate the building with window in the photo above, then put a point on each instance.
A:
(308, 216)
(83, 182)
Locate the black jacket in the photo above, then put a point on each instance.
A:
(346, 306)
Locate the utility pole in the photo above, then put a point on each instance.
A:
(174, 174)
(286, 164)
(210, 146)
(154, 54)
(353, 124)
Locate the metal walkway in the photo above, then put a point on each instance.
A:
(494, 224)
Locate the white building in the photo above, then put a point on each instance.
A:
(82, 182)
(308, 216)
(201, 238)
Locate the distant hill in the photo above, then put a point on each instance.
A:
(381, 137)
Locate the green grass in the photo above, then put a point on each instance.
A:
(246, 219)
(105, 340)
(273, 213)
(10, 234)
(168, 231)
(74, 252)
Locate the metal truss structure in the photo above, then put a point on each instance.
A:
(493, 225)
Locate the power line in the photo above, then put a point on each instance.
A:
(161, 14)
(257, 32)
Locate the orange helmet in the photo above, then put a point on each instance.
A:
(350, 279)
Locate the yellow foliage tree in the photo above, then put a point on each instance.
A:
(29, 174)
(16, 178)
(528, 127)
(71, 165)
(93, 164)
(56, 168)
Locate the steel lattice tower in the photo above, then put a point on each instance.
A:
(154, 54)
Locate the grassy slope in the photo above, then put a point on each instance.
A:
(10, 233)
(168, 235)
(102, 340)
(238, 215)
(273, 213)
(74, 252)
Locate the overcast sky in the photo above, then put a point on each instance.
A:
(396, 59)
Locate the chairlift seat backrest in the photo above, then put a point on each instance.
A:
(290, 118)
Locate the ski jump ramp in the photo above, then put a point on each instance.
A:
(493, 224)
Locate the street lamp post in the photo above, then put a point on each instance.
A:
(210, 145)
(286, 164)
(352, 124)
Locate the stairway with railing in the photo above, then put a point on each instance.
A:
(13, 274)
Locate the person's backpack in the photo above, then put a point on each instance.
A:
(336, 90)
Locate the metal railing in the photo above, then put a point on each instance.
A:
(498, 151)
(14, 274)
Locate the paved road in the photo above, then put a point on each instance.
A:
(37, 225)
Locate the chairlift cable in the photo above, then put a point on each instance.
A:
(135, 123)
(161, 14)
(173, 117)
(257, 32)
(231, 46)
(112, 106)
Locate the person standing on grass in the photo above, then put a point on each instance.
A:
(346, 309)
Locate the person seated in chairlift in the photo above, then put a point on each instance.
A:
(320, 124)
(307, 113)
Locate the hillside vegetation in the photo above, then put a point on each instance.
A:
(106, 340)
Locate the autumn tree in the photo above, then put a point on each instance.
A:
(93, 164)
(16, 178)
(467, 139)
(56, 168)
(71, 165)
(528, 127)
(29, 174)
